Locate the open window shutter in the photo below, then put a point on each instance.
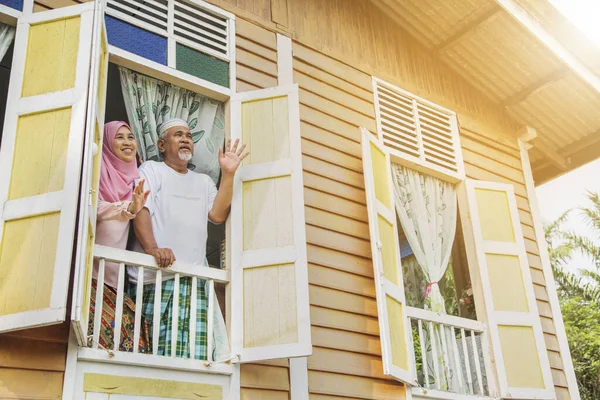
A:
(40, 164)
(394, 326)
(90, 178)
(269, 278)
(500, 260)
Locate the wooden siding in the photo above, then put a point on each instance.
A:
(32, 363)
(256, 57)
(335, 100)
(44, 5)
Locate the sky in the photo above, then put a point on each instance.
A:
(568, 191)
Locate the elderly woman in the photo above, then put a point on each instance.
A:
(119, 203)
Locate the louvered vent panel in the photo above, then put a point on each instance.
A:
(151, 12)
(418, 131)
(195, 25)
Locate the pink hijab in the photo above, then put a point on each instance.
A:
(116, 176)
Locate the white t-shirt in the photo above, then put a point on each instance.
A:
(179, 205)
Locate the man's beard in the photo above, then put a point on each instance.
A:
(185, 155)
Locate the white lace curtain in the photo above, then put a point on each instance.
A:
(427, 210)
(149, 102)
(7, 35)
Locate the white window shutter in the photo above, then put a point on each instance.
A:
(40, 163)
(90, 177)
(394, 325)
(269, 278)
(498, 260)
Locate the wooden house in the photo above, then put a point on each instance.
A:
(337, 99)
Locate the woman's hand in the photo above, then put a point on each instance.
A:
(139, 198)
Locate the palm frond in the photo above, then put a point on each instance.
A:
(593, 275)
(585, 245)
(553, 227)
(592, 214)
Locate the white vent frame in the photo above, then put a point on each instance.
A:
(426, 156)
(165, 17)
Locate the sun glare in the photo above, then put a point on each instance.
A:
(585, 14)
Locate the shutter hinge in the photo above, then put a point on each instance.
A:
(232, 360)
(92, 191)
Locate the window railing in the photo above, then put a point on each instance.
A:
(132, 355)
(451, 354)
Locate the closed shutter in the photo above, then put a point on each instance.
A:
(90, 179)
(269, 282)
(394, 326)
(497, 254)
(41, 163)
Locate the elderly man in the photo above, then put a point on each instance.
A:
(173, 226)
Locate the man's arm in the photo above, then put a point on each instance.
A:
(142, 226)
(229, 160)
(220, 209)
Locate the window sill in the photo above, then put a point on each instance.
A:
(148, 360)
(422, 393)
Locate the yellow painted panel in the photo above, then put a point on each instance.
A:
(521, 359)
(380, 176)
(265, 130)
(27, 262)
(40, 153)
(101, 383)
(506, 280)
(267, 209)
(270, 309)
(51, 61)
(494, 215)
(395, 312)
(388, 250)
(89, 263)
(102, 75)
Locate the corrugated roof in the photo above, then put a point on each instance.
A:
(505, 61)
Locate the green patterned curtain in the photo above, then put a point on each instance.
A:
(7, 34)
(149, 102)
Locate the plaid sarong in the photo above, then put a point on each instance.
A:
(166, 317)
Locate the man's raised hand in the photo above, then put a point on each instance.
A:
(232, 157)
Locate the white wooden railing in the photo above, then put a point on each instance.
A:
(178, 270)
(451, 354)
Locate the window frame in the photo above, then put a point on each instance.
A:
(173, 76)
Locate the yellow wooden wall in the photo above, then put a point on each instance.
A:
(335, 100)
(32, 363)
